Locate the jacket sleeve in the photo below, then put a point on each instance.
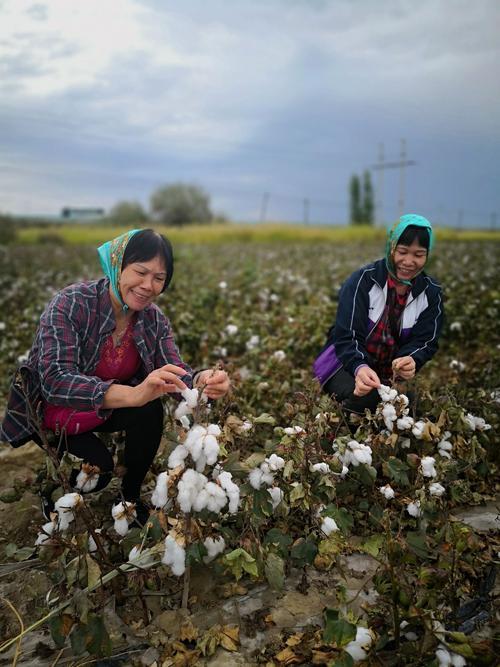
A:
(166, 350)
(61, 342)
(350, 330)
(423, 342)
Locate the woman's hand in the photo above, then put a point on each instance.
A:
(164, 380)
(366, 380)
(404, 367)
(215, 384)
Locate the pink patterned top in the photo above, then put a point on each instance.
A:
(115, 363)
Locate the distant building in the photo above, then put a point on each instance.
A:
(68, 213)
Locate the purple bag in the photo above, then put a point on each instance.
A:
(326, 364)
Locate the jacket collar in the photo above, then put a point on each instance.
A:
(380, 275)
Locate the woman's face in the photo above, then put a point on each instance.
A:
(409, 260)
(142, 282)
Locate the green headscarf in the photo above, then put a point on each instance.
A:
(111, 257)
(394, 234)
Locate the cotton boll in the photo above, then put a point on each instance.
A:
(190, 396)
(386, 393)
(413, 509)
(45, 534)
(276, 496)
(322, 467)
(293, 430)
(405, 423)
(182, 410)
(364, 636)
(201, 463)
(196, 448)
(255, 478)
(177, 457)
(232, 490)
(427, 466)
(121, 526)
(355, 651)
(387, 491)
(214, 547)
(214, 429)
(418, 429)
(86, 482)
(476, 423)
(443, 656)
(68, 501)
(231, 329)
(159, 497)
(329, 525)
(275, 462)
(185, 423)
(246, 426)
(279, 355)
(389, 414)
(216, 497)
(211, 449)
(405, 443)
(344, 471)
(174, 556)
(436, 489)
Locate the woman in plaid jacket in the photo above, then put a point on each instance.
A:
(102, 358)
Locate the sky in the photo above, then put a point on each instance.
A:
(269, 106)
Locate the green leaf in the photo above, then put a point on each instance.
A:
(372, 545)
(93, 572)
(416, 543)
(78, 638)
(462, 649)
(262, 505)
(337, 630)
(195, 553)
(397, 470)
(24, 553)
(255, 459)
(281, 540)
(153, 528)
(99, 642)
(303, 551)
(56, 628)
(345, 660)
(366, 474)
(297, 493)
(239, 560)
(275, 571)
(343, 518)
(288, 469)
(264, 418)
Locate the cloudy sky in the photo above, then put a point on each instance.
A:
(277, 101)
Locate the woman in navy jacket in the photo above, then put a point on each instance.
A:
(388, 322)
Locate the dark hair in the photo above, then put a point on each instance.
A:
(146, 245)
(412, 233)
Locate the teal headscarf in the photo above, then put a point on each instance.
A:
(111, 257)
(394, 234)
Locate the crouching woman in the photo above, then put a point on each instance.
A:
(389, 319)
(103, 357)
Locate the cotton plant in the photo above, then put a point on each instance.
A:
(214, 546)
(264, 474)
(387, 491)
(65, 508)
(87, 478)
(394, 409)
(427, 466)
(413, 509)
(476, 423)
(329, 526)
(123, 514)
(358, 648)
(444, 446)
(201, 444)
(354, 453)
(174, 554)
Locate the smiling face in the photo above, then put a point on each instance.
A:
(142, 282)
(409, 260)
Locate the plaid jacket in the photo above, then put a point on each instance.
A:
(66, 350)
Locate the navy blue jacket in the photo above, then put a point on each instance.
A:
(362, 301)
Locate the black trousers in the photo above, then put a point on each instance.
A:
(341, 387)
(143, 431)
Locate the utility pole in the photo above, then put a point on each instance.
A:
(263, 206)
(401, 164)
(460, 218)
(306, 211)
(493, 221)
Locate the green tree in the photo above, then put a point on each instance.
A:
(181, 204)
(368, 206)
(127, 213)
(356, 213)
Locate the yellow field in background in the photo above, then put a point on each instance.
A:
(268, 233)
